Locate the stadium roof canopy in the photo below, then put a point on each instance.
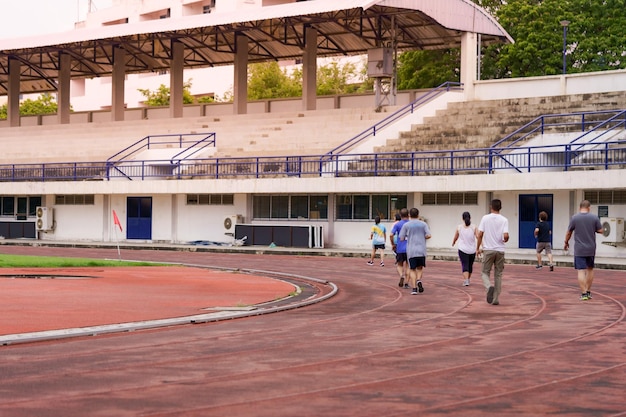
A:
(344, 27)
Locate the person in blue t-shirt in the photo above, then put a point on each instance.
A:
(399, 247)
(378, 236)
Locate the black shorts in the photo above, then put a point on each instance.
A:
(401, 258)
(419, 261)
(381, 246)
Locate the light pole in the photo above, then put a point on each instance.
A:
(565, 24)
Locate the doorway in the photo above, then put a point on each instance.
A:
(530, 205)
(139, 218)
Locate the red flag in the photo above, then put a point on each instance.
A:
(116, 221)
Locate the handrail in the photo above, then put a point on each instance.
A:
(154, 140)
(393, 117)
(541, 123)
(557, 158)
(207, 142)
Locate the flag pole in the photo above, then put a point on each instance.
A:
(116, 222)
(119, 255)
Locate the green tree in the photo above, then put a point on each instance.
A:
(268, 80)
(44, 104)
(334, 78)
(427, 69)
(161, 96)
(594, 43)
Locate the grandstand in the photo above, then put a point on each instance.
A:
(284, 167)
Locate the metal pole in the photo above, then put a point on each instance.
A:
(565, 24)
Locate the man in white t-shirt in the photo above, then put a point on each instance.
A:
(493, 233)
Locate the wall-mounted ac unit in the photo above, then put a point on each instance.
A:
(231, 221)
(45, 219)
(612, 229)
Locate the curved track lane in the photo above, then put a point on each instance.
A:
(371, 350)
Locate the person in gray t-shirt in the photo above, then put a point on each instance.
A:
(415, 232)
(585, 225)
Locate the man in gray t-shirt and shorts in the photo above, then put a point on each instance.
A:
(415, 232)
(584, 225)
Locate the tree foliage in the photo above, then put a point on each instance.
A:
(595, 42)
(44, 104)
(161, 96)
(268, 80)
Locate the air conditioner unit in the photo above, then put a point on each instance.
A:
(45, 219)
(612, 229)
(231, 221)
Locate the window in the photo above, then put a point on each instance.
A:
(280, 207)
(299, 207)
(21, 206)
(449, 199)
(365, 207)
(210, 199)
(605, 196)
(74, 199)
(8, 206)
(290, 207)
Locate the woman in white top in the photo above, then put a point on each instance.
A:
(466, 234)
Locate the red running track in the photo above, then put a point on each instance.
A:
(371, 350)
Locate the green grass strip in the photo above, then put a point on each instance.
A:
(25, 261)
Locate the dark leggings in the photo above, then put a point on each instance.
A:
(467, 261)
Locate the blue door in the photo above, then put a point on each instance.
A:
(530, 205)
(139, 218)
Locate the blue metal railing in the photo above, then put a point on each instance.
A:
(395, 116)
(584, 122)
(555, 158)
(180, 140)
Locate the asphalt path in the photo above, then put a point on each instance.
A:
(371, 350)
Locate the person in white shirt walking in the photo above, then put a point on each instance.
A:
(466, 234)
(493, 233)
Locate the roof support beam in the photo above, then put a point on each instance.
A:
(176, 79)
(117, 85)
(63, 100)
(309, 69)
(240, 85)
(13, 105)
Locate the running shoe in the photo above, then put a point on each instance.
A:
(382, 264)
(466, 283)
(370, 263)
(538, 266)
(584, 297)
(414, 292)
(420, 286)
(406, 286)
(490, 294)
(551, 268)
(589, 295)
(401, 283)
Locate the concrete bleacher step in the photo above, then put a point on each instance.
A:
(286, 133)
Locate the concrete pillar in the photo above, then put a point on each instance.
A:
(63, 98)
(240, 84)
(117, 84)
(13, 104)
(309, 70)
(176, 79)
(469, 63)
